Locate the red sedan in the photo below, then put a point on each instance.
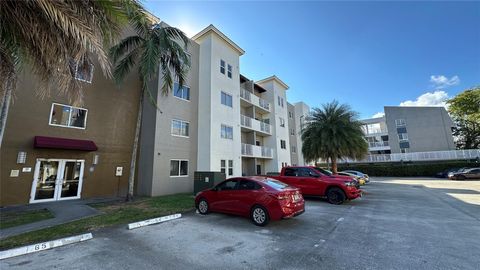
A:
(259, 198)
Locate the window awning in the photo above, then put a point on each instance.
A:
(63, 143)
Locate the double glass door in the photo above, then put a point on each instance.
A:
(57, 179)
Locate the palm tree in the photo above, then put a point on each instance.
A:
(333, 132)
(47, 36)
(156, 48)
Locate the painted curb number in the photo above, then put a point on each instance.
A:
(44, 246)
(153, 221)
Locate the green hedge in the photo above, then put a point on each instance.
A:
(406, 169)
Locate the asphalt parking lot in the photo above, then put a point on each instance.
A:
(398, 224)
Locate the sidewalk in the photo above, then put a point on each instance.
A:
(64, 212)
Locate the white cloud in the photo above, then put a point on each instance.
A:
(441, 82)
(437, 98)
(378, 114)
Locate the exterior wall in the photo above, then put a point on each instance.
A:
(275, 89)
(292, 138)
(110, 124)
(302, 110)
(212, 114)
(428, 128)
(159, 146)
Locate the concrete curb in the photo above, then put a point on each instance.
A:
(44, 246)
(153, 221)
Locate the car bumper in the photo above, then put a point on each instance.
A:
(353, 193)
(293, 210)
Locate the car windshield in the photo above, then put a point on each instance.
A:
(275, 184)
(326, 172)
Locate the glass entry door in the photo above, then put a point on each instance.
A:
(57, 179)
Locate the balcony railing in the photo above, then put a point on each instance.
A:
(254, 124)
(251, 150)
(378, 144)
(419, 156)
(253, 99)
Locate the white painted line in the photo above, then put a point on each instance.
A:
(44, 246)
(153, 221)
(340, 219)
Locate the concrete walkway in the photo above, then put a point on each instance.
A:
(64, 212)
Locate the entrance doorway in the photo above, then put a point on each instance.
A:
(57, 179)
(259, 169)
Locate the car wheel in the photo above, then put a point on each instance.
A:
(336, 196)
(203, 207)
(259, 215)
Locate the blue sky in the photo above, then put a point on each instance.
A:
(366, 54)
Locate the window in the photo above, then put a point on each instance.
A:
(227, 132)
(229, 71)
(291, 172)
(278, 100)
(290, 115)
(222, 66)
(403, 150)
(226, 99)
(292, 132)
(282, 122)
(224, 168)
(400, 122)
(403, 136)
(404, 144)
(68, 116)
(294, 149)
(180, 128)
(282, 102)
(178, 167)
(182, 93)
(227, 185)
(248, 185)
(230, 167)
(83, 71)
(283, 144)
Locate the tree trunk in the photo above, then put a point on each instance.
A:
(133, 162)
(7, 96)
(334, 165)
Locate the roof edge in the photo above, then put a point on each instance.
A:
(274, 78)
(212, 28)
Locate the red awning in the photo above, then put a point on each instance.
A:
(62, 143)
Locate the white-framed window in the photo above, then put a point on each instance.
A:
(403, 150)
(68, 116)
(400, 122)
(283, 144)
(282, 122)
(226, 99)
(278, 99)
(402, 136)
(282, 101)
(290, 115)
(294, 149)
(181, 92)
(292, 132)
(82, 72)
(229, 71)
(180, 128)
(178, 167)
(226, 168)
(222, 66)
(227, 132)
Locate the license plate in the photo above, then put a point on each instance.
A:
(296, 197)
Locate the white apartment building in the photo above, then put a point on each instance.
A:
(219, 121)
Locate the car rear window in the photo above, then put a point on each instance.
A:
(275, 184)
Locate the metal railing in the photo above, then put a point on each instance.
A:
(255, 100)
(419, 156)
(256, 151)
(378, 144)
(255, 124)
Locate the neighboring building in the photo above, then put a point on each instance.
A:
(218, 121)
(410, 129)
(53, 151)
(296, 119)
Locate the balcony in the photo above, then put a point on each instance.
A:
(250, 98)
(253, 124)
(377, 146)
(250, 150)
